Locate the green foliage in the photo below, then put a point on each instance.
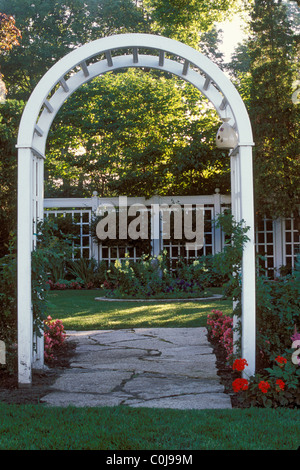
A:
(229, 262)
(54, 249)
(84, 271)
(10, 113)
(277, 386)
(184, 20)
(8, 303)
(143, 278)
(138, 134)
(275, 118)
(52, 28)
(205, 270)
(151, 277)
(278, 312)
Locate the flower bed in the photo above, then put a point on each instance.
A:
(277, 385)
(54, 338)
(65, 284)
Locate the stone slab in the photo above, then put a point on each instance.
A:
(202, 401)
(151, 367)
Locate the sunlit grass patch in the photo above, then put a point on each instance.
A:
(79, 310)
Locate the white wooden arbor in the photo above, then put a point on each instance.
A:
(78, 67)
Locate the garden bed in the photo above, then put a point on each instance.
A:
(159, 299)
(228, 375)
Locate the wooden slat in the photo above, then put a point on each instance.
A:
(207, 83)
(109, 58)
(64, 85)
(161, 58)
(38, 130)
(85, 68)
(223, 104)
(185, 67)
(48, 106)
(135, 55)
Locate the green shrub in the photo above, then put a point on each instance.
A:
(205, 270)
(83, 271)
(278, 313)
(55, 248)
(8, 304)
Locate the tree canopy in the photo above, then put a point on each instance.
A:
(138, 134)
(275, 118)
(52, 28)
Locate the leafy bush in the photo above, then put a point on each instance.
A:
(8, 304)
(150, 276)
(83, 270)
(55, 249)
(204, 270)
(228, 263)
(126, 278)
(278, 313)
(49, 256)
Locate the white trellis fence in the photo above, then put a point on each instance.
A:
(277, 240)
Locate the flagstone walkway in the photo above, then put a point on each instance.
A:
(143, 367)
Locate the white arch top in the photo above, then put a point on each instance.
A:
(190, 65)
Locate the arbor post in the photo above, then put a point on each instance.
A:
(248, 260)
(24, 247)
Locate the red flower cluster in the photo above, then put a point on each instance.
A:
(280, 384)
(264, 386)
(62, 285)
(240, 384)
(239, 364)
(281, 360)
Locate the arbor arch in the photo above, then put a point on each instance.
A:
(56, 86)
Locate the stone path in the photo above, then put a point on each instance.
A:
(143, 367)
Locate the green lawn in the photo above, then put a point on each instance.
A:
(79, 310)
(36, 427)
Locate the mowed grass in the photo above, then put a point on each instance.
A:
(34, 427)
(79, 310)
(38, 427)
